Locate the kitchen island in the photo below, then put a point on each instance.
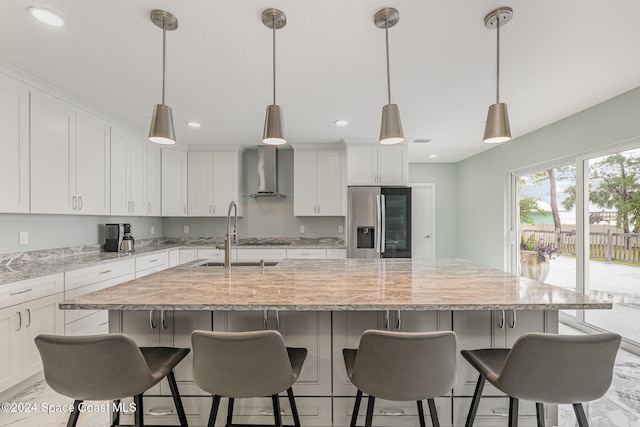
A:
(324, 305)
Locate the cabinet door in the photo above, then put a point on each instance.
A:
(225, 182)
(52, 155)
(120, 203)
(362, 165)
(393, 165)
(40, 316)
(174, 183)
(154, 195)
(305, 183)
(14, 144)
(10, 348)
(474, 330)
(330, 185)
(138, 175)
(200, 184)
(93, 172)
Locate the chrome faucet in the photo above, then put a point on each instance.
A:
(230, 238)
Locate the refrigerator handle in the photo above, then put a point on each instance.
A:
(383, 220)
(378, 223)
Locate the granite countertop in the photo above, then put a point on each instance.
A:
(333, 285)
(28, 265)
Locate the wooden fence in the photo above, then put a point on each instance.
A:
(609, 246)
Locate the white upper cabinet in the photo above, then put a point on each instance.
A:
(14, 145)
(69, 159)
(92, 165)
(154, 179)
(128, 173)
(377, 164)
(318, 183)
(213, 182)
(174, 182)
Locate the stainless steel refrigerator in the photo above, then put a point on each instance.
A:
(379, 221)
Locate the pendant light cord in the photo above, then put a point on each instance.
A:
(274, 60)
(386, 35)
(498, 60)
(164, 54)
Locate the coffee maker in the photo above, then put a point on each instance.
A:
(119, 238)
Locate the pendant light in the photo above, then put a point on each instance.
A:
(162, 131)
(497, 128)
(391, 127)
(274, 122)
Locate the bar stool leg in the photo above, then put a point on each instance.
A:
(434, 414)
(370, 403)
(214, 411)
(294, 408)
(421, 413)
(230, 411)
(540, 414)
(73, 417)
(276, 410)
(513, 412)
(356, 409)
(580, 415)
(115, 414)
(138, 417)
(475, 402)
(177, 401)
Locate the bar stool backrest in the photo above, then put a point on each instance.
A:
(405, 366)
(241, 364)
(560, 369)
(94, 367)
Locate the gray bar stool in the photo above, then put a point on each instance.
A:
(402, 366)
(547, 368)
(107, 367)
(244, 365)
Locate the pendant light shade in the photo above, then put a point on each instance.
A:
(391, 126)
(274, 121)
(162, 130)
(274, 126)
(497, 128)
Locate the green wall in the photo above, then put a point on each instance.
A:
(481, 178)
(444, 176)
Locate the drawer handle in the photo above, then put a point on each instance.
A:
(28, 318)
(153, 260)
(104, 323)
(160, 411)
(151, 325)
(105, 272)
(19, 321)
(269, 412)
(501, 412)
(392, 412)
(12, 294)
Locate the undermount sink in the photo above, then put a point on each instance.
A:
(239, 264)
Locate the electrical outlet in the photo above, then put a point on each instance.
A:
(302, 229)
(186, 229)
(153, 230)
(340, 229)
(24, 238)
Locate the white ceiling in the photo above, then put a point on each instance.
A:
(558, 58)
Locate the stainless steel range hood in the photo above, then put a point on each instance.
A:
(267, 173)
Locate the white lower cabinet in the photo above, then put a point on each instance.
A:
(188, 255)
(389, 413)
(306, 253)
(336, 253)
(257, 254)
(213, 254)
(152, 263)
(30, 308)
(494, 412)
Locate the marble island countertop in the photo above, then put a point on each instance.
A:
(333, 285)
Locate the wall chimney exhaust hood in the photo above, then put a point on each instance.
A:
(267, 173)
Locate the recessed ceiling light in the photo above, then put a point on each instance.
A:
(433, 156)
(193, 124)
(341, 122)
(47, 16)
